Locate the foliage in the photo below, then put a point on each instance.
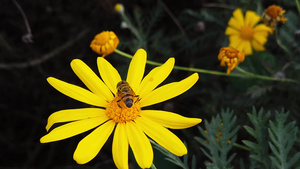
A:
(260, 133)
(219, 138)
(282, 138)
(175, 159)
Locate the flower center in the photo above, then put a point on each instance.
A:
(102, 38)
(246, 33)
(231, 53)
(273, 11)
(121, 114)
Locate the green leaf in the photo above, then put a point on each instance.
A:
(282, 138)
(260, 132)
(293, 160)
(220, 134)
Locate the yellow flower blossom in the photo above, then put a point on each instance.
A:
(105, 43)
(230, 57)
(112, 113)
(245, 34)
(272, 15)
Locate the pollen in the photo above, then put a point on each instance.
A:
(246, 33)
(151, 79)
(124, 114)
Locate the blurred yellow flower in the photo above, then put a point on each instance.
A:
(244, 34)
(272, 15)
(230, 57)
(119, 8)
(105, 43)
(119, 109)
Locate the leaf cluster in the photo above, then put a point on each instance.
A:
(274, 140)
(218, 139)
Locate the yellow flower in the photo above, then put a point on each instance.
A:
(230, 57)
(272, 15)
(105, 43)
(244, 34)
(130, 123)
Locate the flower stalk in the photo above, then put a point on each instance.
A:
(298, 6)
(244, 74)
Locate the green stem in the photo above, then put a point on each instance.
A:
(241, 146)
(131, 26)
(262, 77)
(248, 74)
(181, 67)
(298, 5)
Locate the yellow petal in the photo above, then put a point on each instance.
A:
(90, 79)
(257, 46)
(120, 147)
(237, 20)
(260, 37)
(140, 145)
(169, 91)
(235, 41)
(231, 31)
(90, 146)
(262, 28)
(234, 24)
(77, 93)
(109, 74)
(170, 120)
(241, 45)
(162, 136)
(155, 77)
(247, 48)
(238, 15)
(72, 129)
(73, 115)
(251, 19)
(136, 69)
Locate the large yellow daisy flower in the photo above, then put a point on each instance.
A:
(131, 124)
(244, 34)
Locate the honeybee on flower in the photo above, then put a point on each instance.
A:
(126, 95)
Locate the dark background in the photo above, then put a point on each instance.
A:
(63, 30)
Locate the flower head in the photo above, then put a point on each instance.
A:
(105, 43)
(244, 34)
(119, 109)
(119, 8)
(272, 15)
(230, 57)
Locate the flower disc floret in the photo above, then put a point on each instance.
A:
(122, 114)
(105, 43)
(272, 15)
(246, 33)
(230, 57)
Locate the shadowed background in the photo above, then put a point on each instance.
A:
(62, 31)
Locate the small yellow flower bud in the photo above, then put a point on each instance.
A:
(119, 8)
(105, 43)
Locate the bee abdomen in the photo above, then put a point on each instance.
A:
(128, 102)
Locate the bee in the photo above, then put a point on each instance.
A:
(126, 95)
